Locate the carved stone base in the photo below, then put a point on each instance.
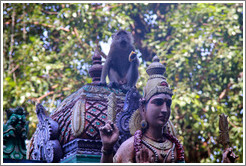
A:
(21, 161)
(79, 150)
(82, 158)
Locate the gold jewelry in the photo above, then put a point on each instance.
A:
(161, 146)
(144, 124)
(162, 153)
(135, 122)
(157, 82)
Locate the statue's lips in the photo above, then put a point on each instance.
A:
(163, 118)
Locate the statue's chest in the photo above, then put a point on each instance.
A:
(162, 154)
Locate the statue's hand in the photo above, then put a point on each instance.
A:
(109, 135)
(229, 156)
(142, 156)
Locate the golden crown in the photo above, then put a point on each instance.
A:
(157, 82)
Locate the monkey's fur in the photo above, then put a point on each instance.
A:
(117, 66)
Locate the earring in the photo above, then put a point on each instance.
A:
(144, 124)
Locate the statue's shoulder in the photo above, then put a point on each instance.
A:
(128, 143)
(125, 153)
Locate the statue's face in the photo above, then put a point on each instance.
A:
(158, 110)
(17, 121)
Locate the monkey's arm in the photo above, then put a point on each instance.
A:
(105, 69)
(132, 73)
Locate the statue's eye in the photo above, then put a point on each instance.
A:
(169, 102)
(158, 102)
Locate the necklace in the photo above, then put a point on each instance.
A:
(164, 155)
(158, 145)
(152, 149)
(138, 140)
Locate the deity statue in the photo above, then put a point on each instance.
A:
(15, 134)
(154, 139)
(96, 121)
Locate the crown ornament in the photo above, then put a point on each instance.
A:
(157, 82)
(156, 67)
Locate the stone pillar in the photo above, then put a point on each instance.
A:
(96, 68)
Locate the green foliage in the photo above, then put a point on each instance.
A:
(47, 51)
(205, 66)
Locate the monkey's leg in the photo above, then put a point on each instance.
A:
(132, 73)
(114, 78)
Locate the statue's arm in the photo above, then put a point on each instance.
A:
(109, 134)
(107, 157)
(125, 153)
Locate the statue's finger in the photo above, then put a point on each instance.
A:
(109, 122)
(145, 155)
(101, 128)
(138, 157)
(115, 128)
(105, 129)
(108, 128)
(141, 156)
(112, 124)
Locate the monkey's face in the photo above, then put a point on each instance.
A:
(122, 39)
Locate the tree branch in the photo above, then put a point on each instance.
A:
(52, 26)
(74, 32)
(13, 70)
(49, 93)
(24, 24)
(232, 123)
(49, 12)
(77, 35)
(224, 92)
(12, 44)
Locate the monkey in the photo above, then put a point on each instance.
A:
(121, 64)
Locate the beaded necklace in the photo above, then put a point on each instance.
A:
(153, 150)
(179, 147)
(164, 155)
(158, 145)
(161, 146)
(138, 141)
